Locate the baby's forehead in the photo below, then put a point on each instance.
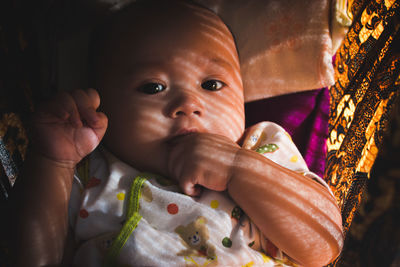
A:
(147, 31)
(155, 16)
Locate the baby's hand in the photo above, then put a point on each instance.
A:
(67, 128)
(200, 159)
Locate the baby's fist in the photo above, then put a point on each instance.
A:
(67, 128)
(202, 160)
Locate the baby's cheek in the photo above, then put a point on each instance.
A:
(229, 129)
(229, 120)
(234, 120)
(235, 127)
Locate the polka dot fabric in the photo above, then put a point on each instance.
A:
(180, 230)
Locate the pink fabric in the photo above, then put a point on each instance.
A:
(304, 116)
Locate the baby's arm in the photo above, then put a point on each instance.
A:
(64, 130)
(297, 214)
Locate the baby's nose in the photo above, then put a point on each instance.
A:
(186, 104)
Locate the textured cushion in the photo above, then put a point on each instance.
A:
(284, 46)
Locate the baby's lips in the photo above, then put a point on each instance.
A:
(181, 134)
(176, 139)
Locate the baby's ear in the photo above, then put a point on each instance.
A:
(180, 230)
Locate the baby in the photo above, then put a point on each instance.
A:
(169, 79)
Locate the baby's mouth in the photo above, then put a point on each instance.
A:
(180, 133)
(185, 131)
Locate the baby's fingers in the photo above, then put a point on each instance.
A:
(61, 107)
(85, 105)
(190, 187)
(94, 97)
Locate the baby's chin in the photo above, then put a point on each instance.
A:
(151, 162)
(152, 168)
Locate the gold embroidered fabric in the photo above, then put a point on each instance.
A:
(367, 67)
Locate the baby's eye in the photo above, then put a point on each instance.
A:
(212, 85)
(151, 88)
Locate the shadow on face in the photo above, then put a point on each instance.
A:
(163, 69)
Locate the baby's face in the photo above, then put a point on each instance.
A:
(175, 80)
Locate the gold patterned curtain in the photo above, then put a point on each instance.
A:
(367, 67)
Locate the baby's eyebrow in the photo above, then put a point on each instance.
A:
(222, 63)
(227, 66)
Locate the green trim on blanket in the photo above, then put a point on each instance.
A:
(134, 196)
(133, 219)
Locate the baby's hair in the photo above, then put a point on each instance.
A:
(103, 32)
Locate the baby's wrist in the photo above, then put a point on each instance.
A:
(234, 168)
(39, 170)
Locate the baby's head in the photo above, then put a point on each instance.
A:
(166, 68)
